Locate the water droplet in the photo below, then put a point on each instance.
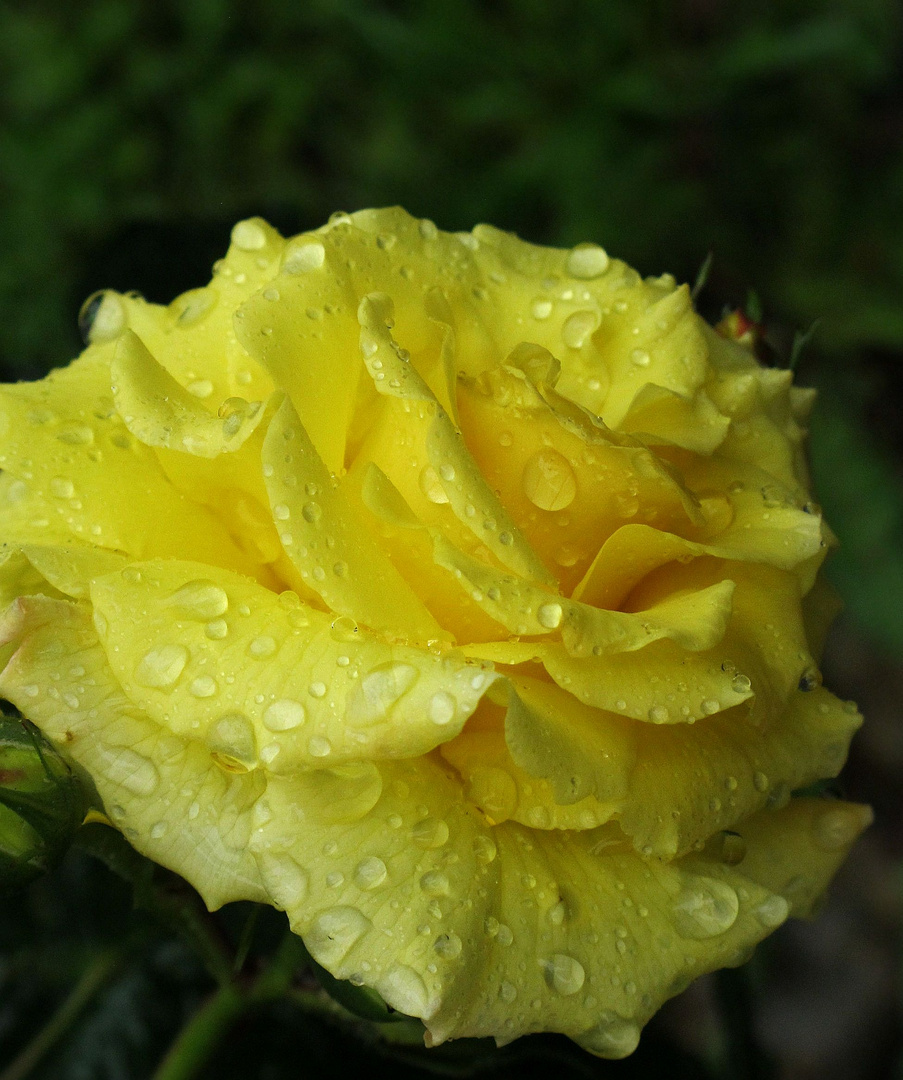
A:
(548, 480)
(203, 686)
(102, 317)
(484, 848)
(217, 629)
(379, 690)
(541, 309)
(200, 388)
(564, 974)
(158, 830)
(579, 328)
(448, 946)
(507, 991)
(285, 881)
(283, 715)
(201, 600)
(303, 256)
(773, 911)
(344, 629)
(319, 747)
(705, 908)
(77, 435)
(61, 487)
(494, 791)
(370, 873)
(740, 684)
(131, 770)
(640, 357)
(710, 706)
(612, 1037)
(430, 832)
(248, 236)
(281, 512)
(810, 680)
(233, 743)
(731, 848)
(659, 714)
(311, 512)
(161, 667)
(262, 647)
(344, 793)
(334, 933)
(442, 708)
(549, 615)
(838, 826)
(760, 781)
(435, 883)
(403, 989)
(586, 261)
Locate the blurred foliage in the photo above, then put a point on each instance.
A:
(134, 134)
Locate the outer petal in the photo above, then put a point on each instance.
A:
(164, 792)
(159, 412)
(63, 439)
(265, 679)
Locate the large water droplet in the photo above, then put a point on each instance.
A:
(612, 1037)
(370, 873)
(133, 771)
(285, 881)
(772, 912)
(494, 791)
(379, 690)
(161, 667)
(579, 328)
(586, 261)
(344, 793)
(448, 946)
(441, 709)
(564, 974)
(263, 647)
(334, 933)
(548, 480)
(838, 826)
(549, 615)
(283, 715)
(484, 848)
(705, 908)
(248, 236)
(435, 883)
(62, 487)
(201, 600)
(403, 989)
(430, 832)
(233, 743)
(431, 485)
(302, 256)
(102, 317)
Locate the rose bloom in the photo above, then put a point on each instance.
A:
(457, 596)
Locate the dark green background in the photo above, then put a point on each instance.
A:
(133, 135)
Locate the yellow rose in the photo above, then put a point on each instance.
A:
(454, 594)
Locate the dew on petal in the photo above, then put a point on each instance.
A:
(586, 261)
(285, 881)
(370, 873)
(548, 480)
(379, 691)
(564, 974)
(161, 667)
(334, 933)
(705, 908)
(284, 714)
